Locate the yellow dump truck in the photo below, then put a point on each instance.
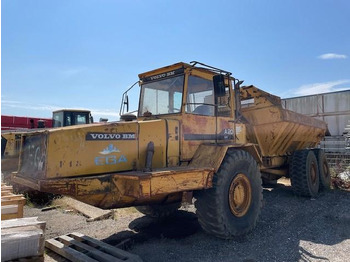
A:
(197, 132)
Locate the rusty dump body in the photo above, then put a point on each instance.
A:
(277, 131)
(177, 143)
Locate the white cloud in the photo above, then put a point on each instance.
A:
(10, 102)
(104, 113)
(70, 72)
(318, 88)
(27, 106)
(332, 56)
(44, 110)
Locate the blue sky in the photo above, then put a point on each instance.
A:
(86, 53)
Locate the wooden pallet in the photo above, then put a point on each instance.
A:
(11, 204)
(78, 247)
(6, 190)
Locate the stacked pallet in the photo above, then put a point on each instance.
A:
(22, 238)
(11, 204)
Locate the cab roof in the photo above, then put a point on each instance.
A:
(72, 110)
(164, 69)
(182, 66)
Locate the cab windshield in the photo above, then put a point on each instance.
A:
(162, 97)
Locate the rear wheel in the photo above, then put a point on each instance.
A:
(158, 210)
(304, 173)
(232, 206)
(323, 168)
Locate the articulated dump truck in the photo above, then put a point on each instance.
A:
(198, 133)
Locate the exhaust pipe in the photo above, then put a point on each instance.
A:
(149, 157)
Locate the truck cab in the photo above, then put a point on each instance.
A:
(199, 97)
(70, 117)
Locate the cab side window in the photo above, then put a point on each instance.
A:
(80, 119)
(223, 104)
(200, 98)
(68, 120)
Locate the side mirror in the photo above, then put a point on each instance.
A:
(219, 85)
(125, 100)
(126, 103)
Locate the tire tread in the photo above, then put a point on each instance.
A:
(210, 211)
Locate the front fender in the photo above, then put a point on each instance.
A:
(212, 155)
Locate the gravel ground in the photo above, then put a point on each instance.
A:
(290, 229)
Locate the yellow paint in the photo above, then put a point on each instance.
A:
(155, 131)
(173, 156)
(13, 143)
(126, 189)
(69, 153)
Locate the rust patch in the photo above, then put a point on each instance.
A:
(186, 129)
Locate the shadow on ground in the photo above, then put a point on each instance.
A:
(290, 228)
(180, 225)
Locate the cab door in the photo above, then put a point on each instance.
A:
(199, 123)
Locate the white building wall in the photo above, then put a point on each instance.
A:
(333, 108)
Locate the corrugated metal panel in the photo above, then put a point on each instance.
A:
(333, 108)
(337, 124)
(337, 102)
(307, 105)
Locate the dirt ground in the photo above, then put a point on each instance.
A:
(290, 229)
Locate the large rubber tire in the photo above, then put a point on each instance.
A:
(304, 173)
(232, 206)
(323, 168)
(158, 210)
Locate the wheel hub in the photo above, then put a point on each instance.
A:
(325, 169)
(313, 173)
(240, 195)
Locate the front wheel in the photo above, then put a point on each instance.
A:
(232, 206)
